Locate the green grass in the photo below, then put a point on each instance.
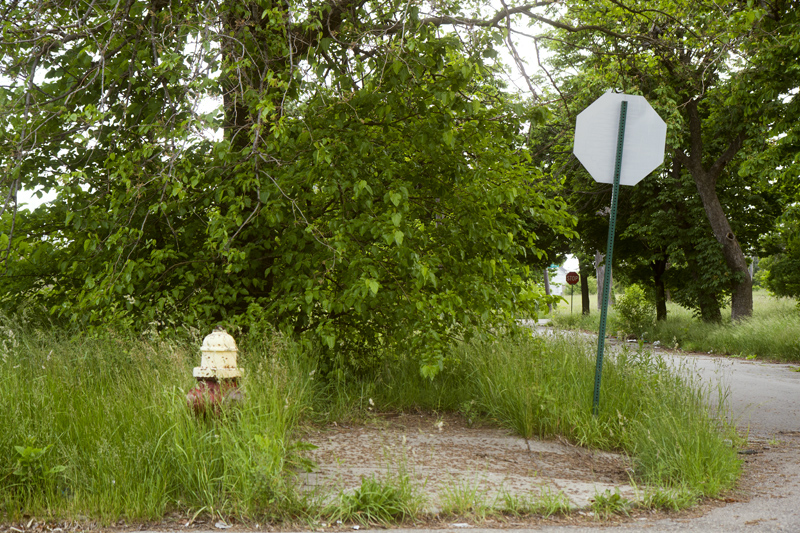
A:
(670, 499)
(99, 427)
(391, 498)
(112, 412)
(607, 503)
(773, 332)
(547, 503)
(466, 498)
(551, 503)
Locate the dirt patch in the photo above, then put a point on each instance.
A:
(771, 467)
(446, 457)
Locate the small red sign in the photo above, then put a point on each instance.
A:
(572, 278)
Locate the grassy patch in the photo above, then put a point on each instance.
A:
(608, 503)
(670, 499)
(466, 498)
(542, 387)
(551, 503)
(393, 497)
(772, 333)
(547, 503)
(378, 502)
(563, 319)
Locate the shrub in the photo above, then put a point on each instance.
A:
(635, 312)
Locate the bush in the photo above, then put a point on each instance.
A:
(636, 313)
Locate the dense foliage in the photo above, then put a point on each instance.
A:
(635, 312)
(319, 168)
(782, 267)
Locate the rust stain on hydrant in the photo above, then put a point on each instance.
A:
(217, 375)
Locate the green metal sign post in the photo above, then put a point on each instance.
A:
(594, 147)
(612, 222)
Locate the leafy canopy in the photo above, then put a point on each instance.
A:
(351, 171)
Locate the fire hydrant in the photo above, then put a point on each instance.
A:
(217, 375)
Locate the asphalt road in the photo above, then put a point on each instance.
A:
(764, 397)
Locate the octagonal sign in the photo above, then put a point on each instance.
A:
(596, 132)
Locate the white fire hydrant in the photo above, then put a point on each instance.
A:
(217, 374)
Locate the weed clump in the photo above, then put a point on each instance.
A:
(378, 502)
(607, 503)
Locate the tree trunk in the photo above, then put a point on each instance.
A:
(659, 266)
(547, 288)
(706, 182)
(709, 309)
(612, 299)
(583, 268)
(742, 290)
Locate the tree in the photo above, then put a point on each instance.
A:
(693, 57)
(773, 59)
(357, 177)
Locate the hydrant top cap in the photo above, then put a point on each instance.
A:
(219, 341)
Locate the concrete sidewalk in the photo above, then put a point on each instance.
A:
(455, 464)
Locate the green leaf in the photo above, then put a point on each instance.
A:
(283, 220)
(373, 286)
(429, 371)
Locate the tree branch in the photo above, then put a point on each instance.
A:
(735, 145)
(447, 20)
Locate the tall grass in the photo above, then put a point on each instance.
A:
(113, 413)
(772, 333)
